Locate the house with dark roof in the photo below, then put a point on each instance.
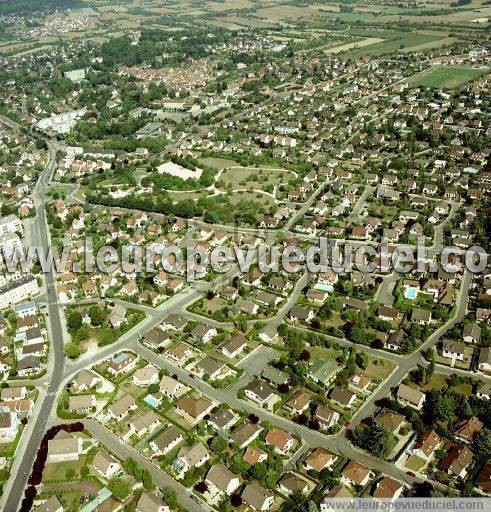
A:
(457, 461)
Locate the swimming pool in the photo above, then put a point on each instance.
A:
(410, 293)
(152, 401)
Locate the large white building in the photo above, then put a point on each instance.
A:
(10, 243)
(18, 291)
(11, 224)
(61, 123)
(75, 75)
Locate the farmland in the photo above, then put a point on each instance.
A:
(446, 77)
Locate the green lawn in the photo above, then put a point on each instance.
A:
(415, 463)
(447, 77)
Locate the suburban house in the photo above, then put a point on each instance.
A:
(172, 388)
(193, 456)
(457, 461)
(468, 429)
(222, 419)
(166, 440)
(388, 488)
(291, 483)
(410, 396)
(221, 480)
(254, 455)
(64, 447)
(426, 444)
(245, 434)
(471, 333)
(298, 313)
(453, 350)
(122, 362)
(235, 346)
(148, 502)
(260, 392)
(319, 459)
(355, 473)
(299, 401)
(146, 376)
(281, 440)
(326, 416)
(121, 407)
(343, 397)
(323, 372)
(106, 465)
(194, 407)
(257, 497)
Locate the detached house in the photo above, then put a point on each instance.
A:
(426, 444)
(257, 497)
(410, 396)
(453, 350)
(457, 461)
(190, 457)
(356, 474)
(302, 314)
(166, 440)
(260, 392)
(282, 441)
(221, 480)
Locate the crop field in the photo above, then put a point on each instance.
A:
(355, 44)
(438, 43)
(446, 76)
(392, 41)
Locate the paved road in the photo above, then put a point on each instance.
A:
(359, 204)
(273, 323)
(123, 451)
(406, 364)
(32, 436)
(311, 438)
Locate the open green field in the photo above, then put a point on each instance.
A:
(446, 77)
(392, 41)
(253, 179)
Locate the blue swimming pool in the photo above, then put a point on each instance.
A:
(152, 401)
(410, 293)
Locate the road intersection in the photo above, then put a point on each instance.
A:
(60, 372)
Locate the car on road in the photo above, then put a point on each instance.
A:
(410, 473)
(195, 498)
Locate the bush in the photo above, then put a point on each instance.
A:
(74, 320)
(71, 350)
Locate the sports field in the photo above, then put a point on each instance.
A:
(446, 77)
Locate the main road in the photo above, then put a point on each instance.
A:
(36, 427)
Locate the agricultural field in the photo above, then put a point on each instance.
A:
(355, 44)
(446, 77)
(392, 41)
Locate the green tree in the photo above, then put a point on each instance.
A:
(97, 315)
(170, 497)
(129, 465)
(70, 474)
(362, 360)
(119, 488)
(74, 320)
(218, 444)
(375, 439)
(71, 350)
(147, 479)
